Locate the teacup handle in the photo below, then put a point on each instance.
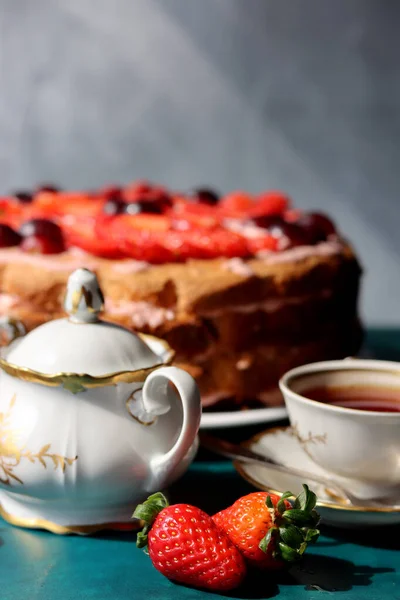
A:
(155, 400)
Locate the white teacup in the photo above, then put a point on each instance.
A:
(363, 445)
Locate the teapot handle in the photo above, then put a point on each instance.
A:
(11, 329)
(155, 400)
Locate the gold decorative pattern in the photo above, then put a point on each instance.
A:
(87, 294)
(78, 382)
(34, 523)
(310, 439)
(11, 454)
(136, 417)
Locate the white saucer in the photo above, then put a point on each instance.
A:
(281, 445)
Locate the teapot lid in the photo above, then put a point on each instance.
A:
(82, 348)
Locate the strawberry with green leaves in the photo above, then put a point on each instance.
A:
(269, 530)
(185, 545)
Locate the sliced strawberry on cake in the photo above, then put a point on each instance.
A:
(84, 233)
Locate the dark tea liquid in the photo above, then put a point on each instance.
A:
(378, 399)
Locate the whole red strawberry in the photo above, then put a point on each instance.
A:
(268, 529)
(185, 545)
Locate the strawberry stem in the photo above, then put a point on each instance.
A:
(268, 502)
(281, 504)
(271, 534)
(148, 512)
(294, 528)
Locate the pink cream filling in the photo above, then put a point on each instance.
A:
(247, 230)
(329, 248)
(239, 267)
(142, 313)
(67, 261)
(7, 302)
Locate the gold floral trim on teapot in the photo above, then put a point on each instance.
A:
(11, 453)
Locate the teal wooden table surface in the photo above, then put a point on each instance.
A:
(344, 563)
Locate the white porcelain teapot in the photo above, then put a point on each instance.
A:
(89, 420)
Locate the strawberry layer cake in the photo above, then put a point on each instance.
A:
(242, 287)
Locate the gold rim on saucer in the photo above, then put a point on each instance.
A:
(332, 505)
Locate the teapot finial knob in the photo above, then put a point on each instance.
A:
(84, 298)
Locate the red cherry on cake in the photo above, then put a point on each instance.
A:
(290, 233)
(143, 191)
(152, 207)
(40, 244)
(40, 227)
(156, 196)
(317, 226)
(23, 196)
(204, 196)
(8, 236)
(41, 236)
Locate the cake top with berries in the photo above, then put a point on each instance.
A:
(149, 223)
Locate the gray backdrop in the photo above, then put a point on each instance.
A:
(301, 95)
